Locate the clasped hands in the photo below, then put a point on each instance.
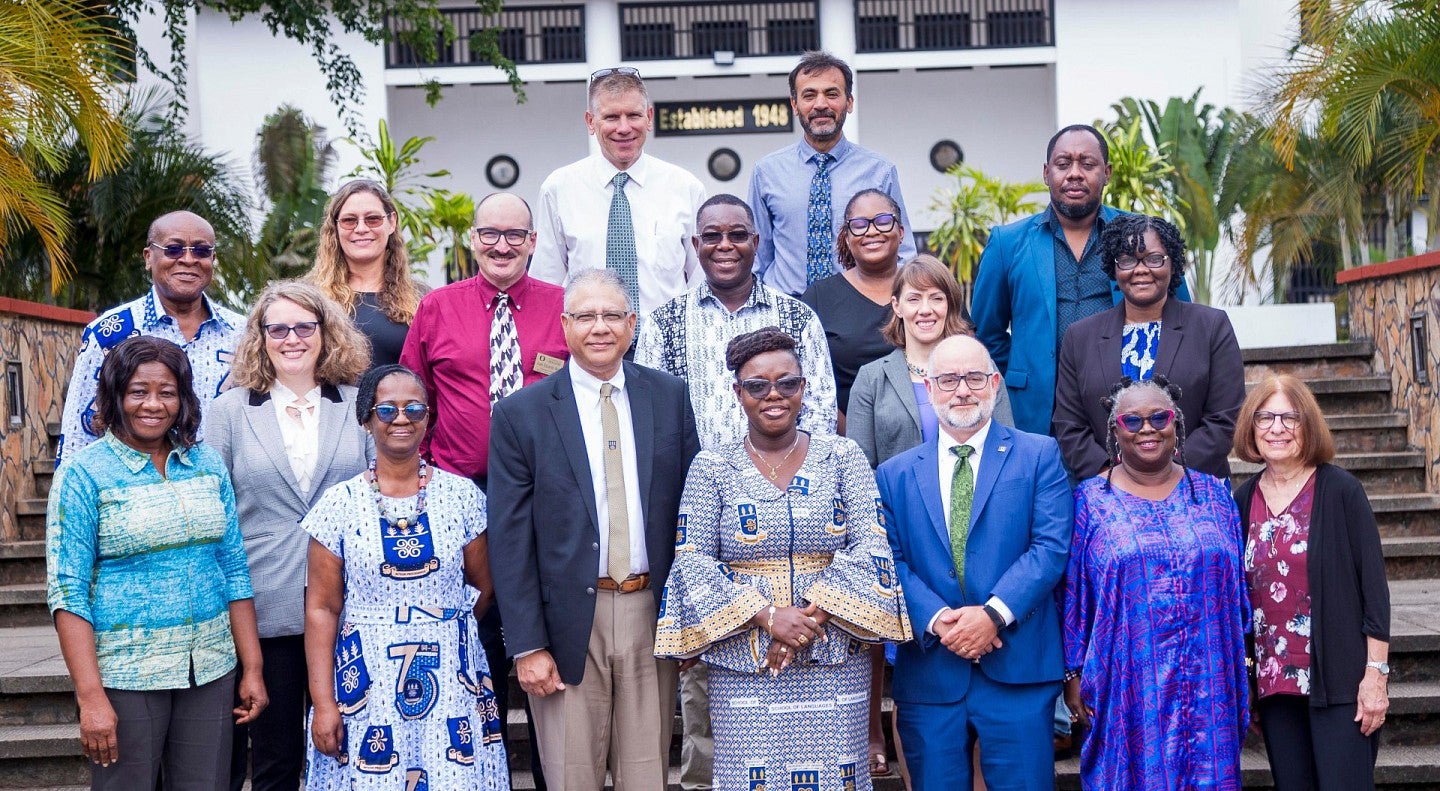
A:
(967, 631)
(791, 629)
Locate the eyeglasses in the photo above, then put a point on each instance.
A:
(786, 386)
(601, 74)
(175, 252)
(949, 383)
(513, 236)
(1290, 420)
(413, 412)
(1157, 420)
(302, 329)
(859, 226)
(1128, 262)
(735, 237)
(614, 318)
(351, 222)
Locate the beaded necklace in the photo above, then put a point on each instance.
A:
(404, 521)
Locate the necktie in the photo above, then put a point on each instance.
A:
(620, 241)
(962, 494)
(820, 238)
(618, 554)
(505, 375)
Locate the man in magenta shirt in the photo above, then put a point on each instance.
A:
(476, 341)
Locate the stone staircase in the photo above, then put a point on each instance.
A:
(38, 731)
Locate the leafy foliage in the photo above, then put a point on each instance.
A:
(1139, 174)
(974, 205)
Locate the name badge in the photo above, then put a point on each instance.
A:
(546, 365)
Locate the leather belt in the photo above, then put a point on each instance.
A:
(632, 583)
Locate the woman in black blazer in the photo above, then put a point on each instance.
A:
(1150, 332)
(1317, 586)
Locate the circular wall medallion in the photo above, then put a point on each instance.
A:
(724, 164)
(503, 171)
(945, 155)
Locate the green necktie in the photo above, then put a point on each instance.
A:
(962, 494)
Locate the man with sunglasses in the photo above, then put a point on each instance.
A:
(687, 337)
(799, 192)
(179, 254)
(620, 208)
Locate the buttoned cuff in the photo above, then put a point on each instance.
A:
(999, 606)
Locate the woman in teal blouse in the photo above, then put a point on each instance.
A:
(148, 583)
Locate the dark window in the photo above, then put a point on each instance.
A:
(407, 56)
(510, 39)
(727, 34)
(560, 44)
(792, 36)
(647, 41)
(942, 31)
(878, 34)
(1017, 28)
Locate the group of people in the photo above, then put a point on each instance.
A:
(311, 544)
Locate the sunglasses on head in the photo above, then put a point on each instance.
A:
(786, 386)
(601, 74)
(177, 251)
(1158, 421)
(413, 412)
(302, 329)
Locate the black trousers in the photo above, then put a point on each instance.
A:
(492, 640)
(1317, 748)
(182, 735)
(276, 739)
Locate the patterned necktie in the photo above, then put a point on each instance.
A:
(618, 552)
(620, 241)
(962, 494)
(505, 375)
(820, 238)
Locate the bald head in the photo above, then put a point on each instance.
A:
(165, 224)
(502, 238)
(957, 350)
(502, 202)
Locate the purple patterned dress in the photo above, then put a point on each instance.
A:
(1155, 616)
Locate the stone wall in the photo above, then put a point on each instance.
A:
(44, 341)
(1383, 299)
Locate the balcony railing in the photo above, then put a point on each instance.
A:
(911, 25)
(664, 31)
(527, 34)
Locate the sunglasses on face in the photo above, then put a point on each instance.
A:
(175, 252)
(350, 222)
(1133, 423)
(859, 226)
(786, 386)
(1290, 420)
(735, 237)
(413, 412)
(303, 329)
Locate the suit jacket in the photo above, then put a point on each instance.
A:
(544, 530)
(242, 425)
(884, 419)
(1198, 351)
(1014, 310)
(1019, 541)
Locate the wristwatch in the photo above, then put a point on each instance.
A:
(1383, 667)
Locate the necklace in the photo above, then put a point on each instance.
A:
(774, 468)
(404, 521)
(916, 370)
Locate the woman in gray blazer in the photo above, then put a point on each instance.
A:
(286, 433)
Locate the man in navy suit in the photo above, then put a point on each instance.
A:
(586, 470)
(978, 557)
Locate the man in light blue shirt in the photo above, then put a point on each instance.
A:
(799, 192)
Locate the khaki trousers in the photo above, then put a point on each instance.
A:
(621, 714)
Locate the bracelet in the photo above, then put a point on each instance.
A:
(995, 618)
(1072, 674)
(770, 629)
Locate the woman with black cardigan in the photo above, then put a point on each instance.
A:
(1317, 584)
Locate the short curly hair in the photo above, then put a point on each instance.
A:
(119, 368)
(370, 382)
(1125, 235)
(344, 350)
(744, 348)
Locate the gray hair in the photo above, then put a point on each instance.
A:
(615, 84)
(597, 277)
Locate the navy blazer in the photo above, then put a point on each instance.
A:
(1019, 542)
(543, 526)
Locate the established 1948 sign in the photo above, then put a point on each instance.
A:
(725, 117)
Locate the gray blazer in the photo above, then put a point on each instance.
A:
(884, 419)
(241, 424)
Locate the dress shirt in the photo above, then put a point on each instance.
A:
(1081, 287)
(948, 460)
(780, 196)
(449, 346)
(302, 438)
(587, 400)
(210, 353)
(573, 218)
(687, 336)
(151, 562)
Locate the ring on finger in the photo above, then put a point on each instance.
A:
(784, 649)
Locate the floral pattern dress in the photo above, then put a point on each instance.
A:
(411, 681)
(1277, 569)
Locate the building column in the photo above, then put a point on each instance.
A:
(837, 36)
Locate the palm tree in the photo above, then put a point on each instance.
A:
(1139, 174)
(972, 207)
(56, 60)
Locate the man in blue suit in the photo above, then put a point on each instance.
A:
(978, 557)
(1041, 274)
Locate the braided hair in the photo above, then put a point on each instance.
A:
(370, 382)
(1171, 392)
(744, 348)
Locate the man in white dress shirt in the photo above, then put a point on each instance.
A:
(621, 209)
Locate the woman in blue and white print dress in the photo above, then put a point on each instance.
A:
(403, 696)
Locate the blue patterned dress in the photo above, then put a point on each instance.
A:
(411, 681)
(1155, 616)
(742, 545)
